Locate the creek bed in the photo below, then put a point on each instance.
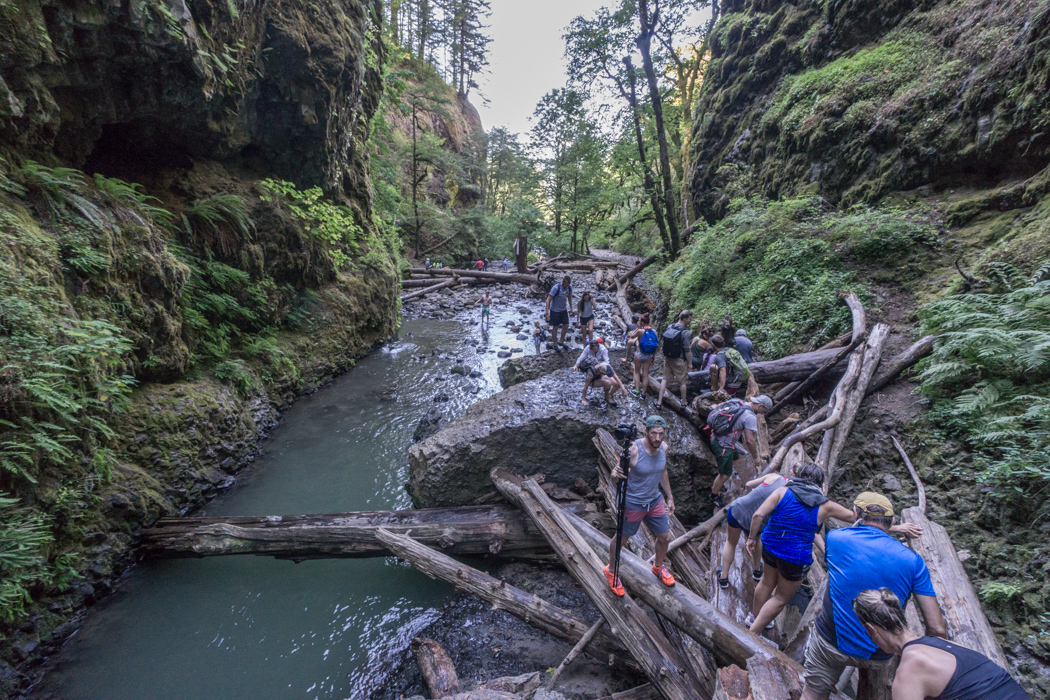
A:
(256, 627)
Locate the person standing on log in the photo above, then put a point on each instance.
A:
(734, 431)
(738, 520)
(786, 523)
(486, 305)
(647, 477)
(559, 301)
(585, 316)
(930, 667)
(428, 265)
(744, 346)
(729, 371)
(861, 558)
(676, 361)
(644, 342)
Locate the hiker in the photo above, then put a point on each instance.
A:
(729, 371)
(930, 667)
(440, 265)
(676, 364)
(786, 523)
(599, 373)
(728, 331)
(860, 558)
(594, 353)
(700, 350)
(480, 264)
(486, 303)
(539, 334)
(506, 264)
(646, 478)
(738, 519)
(559, 300)
(734, 426)
(585, 316)
(628, 356)
(744, 346)
(643, 341)
(427, 265)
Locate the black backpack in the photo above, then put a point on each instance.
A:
(673, 346)
(725, 416)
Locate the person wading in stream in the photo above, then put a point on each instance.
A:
(642, 343)
(559, 301)
(787, 522)
(860, 558)
(585, 316)
(738, 520)
(486, 305)
(930, 667)
(676, 357)
(734, 430)
(647, 476)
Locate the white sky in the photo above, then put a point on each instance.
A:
(526, 57)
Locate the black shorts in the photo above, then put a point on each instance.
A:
(788, 571)
(559, 318)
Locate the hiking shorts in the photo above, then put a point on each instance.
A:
(724, 457)
(559, 318)
(585, 320)
(789, 571)
(825, 664)
(732, 522)
(654, 514)
(732, 390)
(644, 356)
(676, 369)
(484, 310)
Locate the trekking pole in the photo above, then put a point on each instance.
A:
(621, 495)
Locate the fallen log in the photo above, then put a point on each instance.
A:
(492, 529)
(959, 603)
(642, 692)
(733, 684)
(659, 660)
(771, 679)
(819, 374)
(785, 389)
(478, 274)
(621, 303)
(436, 667)
(428, 290)
(555, 621)
(418, 283)
(629, 275)
(674, 403)
(576, 650)
(785, 427)
(790, 368)
(853, 399)
(891, 370)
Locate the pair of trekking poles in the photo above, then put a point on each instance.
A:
(625, 433)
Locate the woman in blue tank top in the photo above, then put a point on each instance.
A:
(787, 523)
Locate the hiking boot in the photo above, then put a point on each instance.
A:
(722, 582)
(664, 574)
(716, 500)
(614, 582)
(757, 574)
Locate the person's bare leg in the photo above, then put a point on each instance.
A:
(720, 481)
(756, 561)
(662, 540)
(729, 550)
(772, 607)
(663, 383)
(637, 374)
(764, 589)
(612, 551)
(645, 376)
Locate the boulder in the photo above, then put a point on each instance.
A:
(429, 424)
(539, 426)
(522, 369)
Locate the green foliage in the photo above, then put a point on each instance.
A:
(769, 265)
(221, 221)
(333, 224)
(24, 535)
(236, 372)
(989, 376)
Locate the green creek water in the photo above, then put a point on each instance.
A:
(255, 627)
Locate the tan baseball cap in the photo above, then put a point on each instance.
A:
(866, 499)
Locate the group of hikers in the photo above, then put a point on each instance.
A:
(481, 263)
(871, 574)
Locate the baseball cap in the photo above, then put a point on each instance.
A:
(865, 500)
(655, 422)
(741, 331)
(763, 400)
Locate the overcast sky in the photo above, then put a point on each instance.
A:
(526, 57)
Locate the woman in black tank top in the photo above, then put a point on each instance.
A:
(931, 668)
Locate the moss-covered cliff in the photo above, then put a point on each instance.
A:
(150, 332)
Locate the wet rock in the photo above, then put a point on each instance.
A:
(522, 337)
(890, 482)
(503, 353)
(441, 398)
(474, 374)
(516, 350)
(429, 424)
(522, 369)
(538, 426)
(461, 370)
(525, 684)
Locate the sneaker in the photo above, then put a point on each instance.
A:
(664, 574)
(614, 582)
(722, 582)
(716, 499)
(750, 620)
(757, 574)
(636, 393)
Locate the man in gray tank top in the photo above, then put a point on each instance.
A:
(646, 478)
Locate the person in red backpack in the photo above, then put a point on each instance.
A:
(734, 427)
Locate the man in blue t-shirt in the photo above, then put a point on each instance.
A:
(861, 558)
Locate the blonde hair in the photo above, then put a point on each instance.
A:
(881, 608)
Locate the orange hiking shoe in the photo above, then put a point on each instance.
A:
(664, 574)
(614, 582)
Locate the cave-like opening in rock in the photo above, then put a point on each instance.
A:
(135, 153)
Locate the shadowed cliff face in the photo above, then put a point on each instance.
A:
(126, 88)
(853, 99)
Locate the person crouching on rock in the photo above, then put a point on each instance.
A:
(594, 360)
(648, 476)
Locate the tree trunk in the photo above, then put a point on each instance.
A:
(436, 667)
(521, 254)
(790, 368)
(650, 187)
(428, 290)
(629, 275)
(892, 369)
(479, 274)
(493, 529)
(551, 619)
(657, 657)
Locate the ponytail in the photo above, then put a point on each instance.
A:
(881, 608)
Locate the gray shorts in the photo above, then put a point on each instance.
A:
(825, 663)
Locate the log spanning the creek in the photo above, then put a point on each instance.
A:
(493, 529)
(479, 274)
(792, 368)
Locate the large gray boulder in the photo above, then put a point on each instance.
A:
(522, 369)
(539, 426)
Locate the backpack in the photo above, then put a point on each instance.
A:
(741, 372)
(649, 341)
(724, 416)
(673, 342)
